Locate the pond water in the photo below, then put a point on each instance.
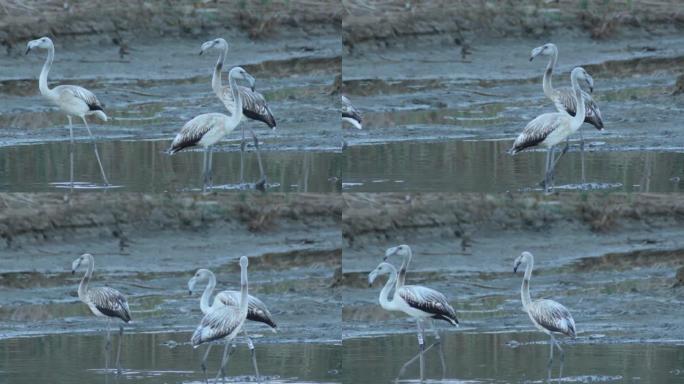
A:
(144, 166)
(159, 358)
(484, 166)
(511, 358)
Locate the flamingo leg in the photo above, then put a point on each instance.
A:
(210, 164)
(440, 348)
(421, 343)
(224, 361)
(203, 365)
(108, 344)
(97, 154)
(118, 350)
(261, 184)
(545, 182)
(243, 144)
(412, 360)
(205, 169)
(253, 353)
(71, 152)
(552, 343)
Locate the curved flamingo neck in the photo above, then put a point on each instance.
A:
(204, 301)
(525, 289)
(83, 287)
(42, 80)
(385, 301)
(236, 113)
(401, 279)
(578, 119)
(244, 287)
(548, 74)
(216, 84)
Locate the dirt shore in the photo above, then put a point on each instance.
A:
(381, 21)
(23, 19)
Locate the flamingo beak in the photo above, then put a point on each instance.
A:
(28, 49)
(189, 293)
(73, 271)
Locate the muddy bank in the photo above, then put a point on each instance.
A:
(387, 22)
(25, 218)
(148, 247)
(610, 258)
(21, 20)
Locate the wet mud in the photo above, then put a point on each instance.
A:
(610, 259)
(148, 247)
(427, 109)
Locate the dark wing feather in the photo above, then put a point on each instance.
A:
(429, 301)
(253, 105)
(220, 322)
(553, 316)
(536, 131)
(565, 100)
(193, 131)
(88, 97)
(349, 111)
(110, 302)
(256, 309)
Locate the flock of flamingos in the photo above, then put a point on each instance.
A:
(225, 317)
(574, 107)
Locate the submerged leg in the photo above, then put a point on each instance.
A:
(118, 350)
(440, 348)
(243, 143)
(205, 170)
(210, 163)
(421, 343)
(253, 353)
(261, 184)
(552, 343)
(108, 344)
(547, 168)
(224, 361)
(97, 154)
(204, 364)
(412, 360)
(71, 152)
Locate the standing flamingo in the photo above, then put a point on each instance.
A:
(563, 98)
(103, 302)
(549, 129)
(548, 316)
(73, 100)
(224, 321)
(256, 309)
(207, 129)
(253, 103)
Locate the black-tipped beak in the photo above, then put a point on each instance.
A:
(73, 271)
(515, 269)
(384, 258)
(531, 58)
(189, 293)
(591, 89)
(201, 52)
(27, 51)
(370, 284)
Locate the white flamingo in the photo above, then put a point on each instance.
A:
(103, 302)
(73, 100)
(224, 322)
(207, 129)
(256, 309)
(547, 316)
(549, 129)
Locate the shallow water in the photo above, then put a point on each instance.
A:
(144, 166)
(484, 166)
(511, 357)
(158, 358)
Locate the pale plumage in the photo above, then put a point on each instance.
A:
(549, 129)
(548, 316)
(103, 302)
(254, 104)
(563, 98)
(350, 114)
(73, 100)
(416, 301)
(222, 321)
(204, 130)
(256, 309)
